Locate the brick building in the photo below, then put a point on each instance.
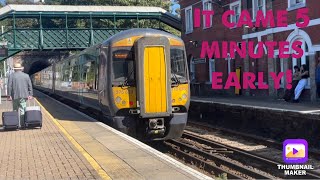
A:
(201, 69)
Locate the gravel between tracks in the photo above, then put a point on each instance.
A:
(238, 142)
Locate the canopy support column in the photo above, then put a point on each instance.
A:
(40, 32)
(91, 31)
(14, 32)
(67, 31)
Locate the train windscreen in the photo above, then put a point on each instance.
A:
(178, 65)
(123, 67)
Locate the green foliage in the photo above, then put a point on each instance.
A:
(222, 176)
(22, 22)
(121, 23)
(160, 3)
(178, 12)
(18, 2)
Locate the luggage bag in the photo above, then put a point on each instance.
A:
(33, 116)
(10, 119)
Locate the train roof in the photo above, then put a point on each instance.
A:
(138, 32)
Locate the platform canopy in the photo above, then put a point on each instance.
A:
(56, 9)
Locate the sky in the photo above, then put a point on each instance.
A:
(175, 6)
(2, 1)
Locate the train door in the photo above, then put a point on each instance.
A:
(102, 78)
(153, 76)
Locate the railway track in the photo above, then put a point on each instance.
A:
(212, 158)
(212, 162)
(252, 138)
(236, 163)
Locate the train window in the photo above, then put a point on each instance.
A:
(178, 64)
(66, 71)
(90, 74)
(123, 66)
(75, 73)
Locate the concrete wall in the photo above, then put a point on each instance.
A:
(274, 124)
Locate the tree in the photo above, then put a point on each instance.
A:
(20, 22)
(20, 2)
(178, 12)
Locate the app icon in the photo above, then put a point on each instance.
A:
(295, 151)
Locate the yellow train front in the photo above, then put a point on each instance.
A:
(137, 80)
(148, 85)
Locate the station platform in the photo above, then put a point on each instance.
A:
(263, 102)
(266, 117)
(71, 145)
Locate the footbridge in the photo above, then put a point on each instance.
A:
(56, 27)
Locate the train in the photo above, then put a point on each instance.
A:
(137, 80)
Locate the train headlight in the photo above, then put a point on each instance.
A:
(118, 99)
(124, 102)
(184, 96)
(173, 100)
(180, 99)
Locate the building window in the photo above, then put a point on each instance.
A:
(207, 6)
(258, 5)
(236, 7)
(212, 68)
(296, 4)
(189, 20)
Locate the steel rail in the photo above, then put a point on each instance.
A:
(252, 138)
(219, 160)
(251, 159)
(202, 164)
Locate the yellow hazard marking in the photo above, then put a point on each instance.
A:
(89, 158)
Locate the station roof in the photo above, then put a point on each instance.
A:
(79, 9)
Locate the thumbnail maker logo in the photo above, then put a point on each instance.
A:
(295, 151)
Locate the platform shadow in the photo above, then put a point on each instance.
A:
(58, 110)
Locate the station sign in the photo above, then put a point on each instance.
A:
(199, 61)
(3, 52)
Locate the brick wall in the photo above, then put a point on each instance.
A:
(220, 33)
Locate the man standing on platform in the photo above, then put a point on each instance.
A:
(19, 90)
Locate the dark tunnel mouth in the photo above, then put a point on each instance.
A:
(38, 66)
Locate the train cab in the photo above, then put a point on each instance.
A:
(148, 83)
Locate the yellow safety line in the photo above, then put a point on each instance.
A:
(91, 160)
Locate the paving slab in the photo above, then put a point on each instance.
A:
(40, 153)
